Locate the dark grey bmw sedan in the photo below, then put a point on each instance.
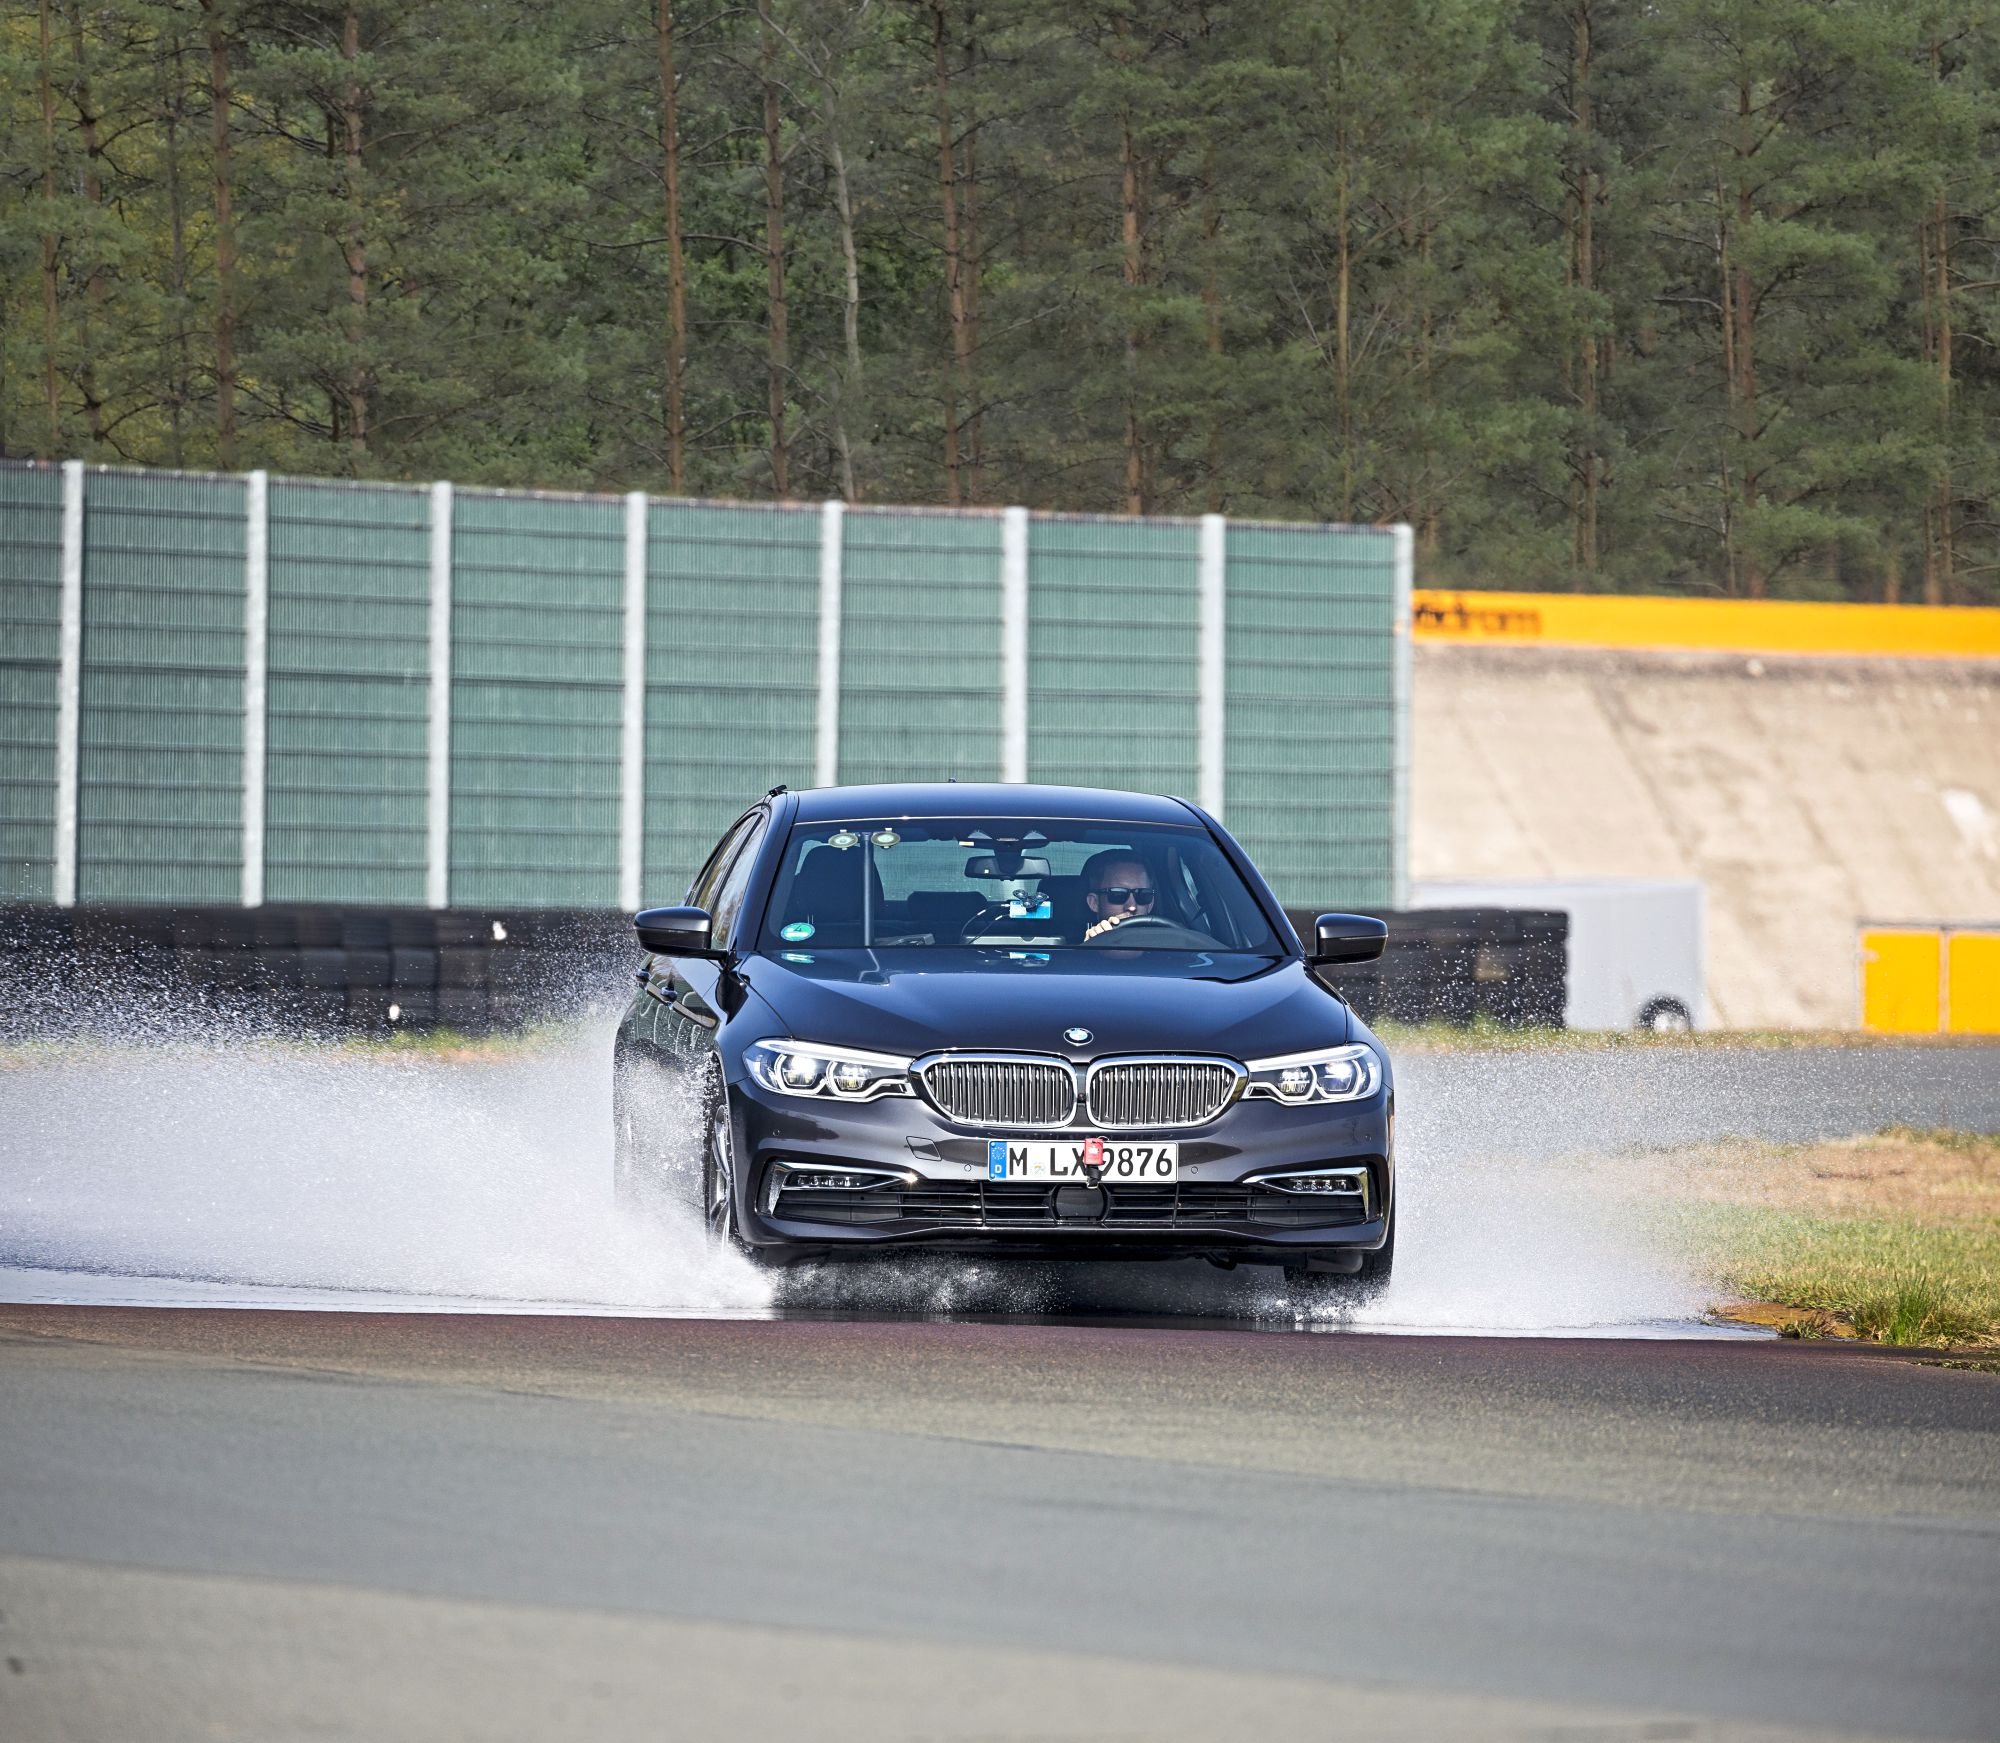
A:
(1006, 1020)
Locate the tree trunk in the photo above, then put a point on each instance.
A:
(1725, 279)
(850, 307)
(1211, 305)
(968, 273)
(1938, 586)
(954, 276)
(51, 325)
(1746, 327)
(1343, 319)
(779, 360)
(1135, 450)
(225, 244)
(1586, 280)
(93, 192)
(354, 244)
(173, 77)
(670, 146)
(1428, 521)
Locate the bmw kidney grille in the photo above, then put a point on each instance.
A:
(1016, 1093)
(1160, 1092)
(1024, 1094)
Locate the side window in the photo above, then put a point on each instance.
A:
(735, 883)
(701, 893)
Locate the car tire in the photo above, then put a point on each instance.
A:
(718, 1161)
(1377, 1267)
(1367, 1279)
(628, 1172)
(654, 1172)
(1665, 1017)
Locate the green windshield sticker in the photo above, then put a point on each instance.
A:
(797, 932)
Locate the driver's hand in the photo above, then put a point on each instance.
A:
(1104, 925)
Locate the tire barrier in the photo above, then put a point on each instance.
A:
(1508, 966)
(332, 971)
(303, 970)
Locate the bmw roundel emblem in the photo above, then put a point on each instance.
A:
(1077, 1036)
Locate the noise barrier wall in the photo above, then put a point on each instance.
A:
(248, 690)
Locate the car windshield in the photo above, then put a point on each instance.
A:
(1011, 883)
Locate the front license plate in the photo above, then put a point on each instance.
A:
(1079, 1158)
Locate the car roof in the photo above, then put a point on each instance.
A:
(987, 799)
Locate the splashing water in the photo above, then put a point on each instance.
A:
(224, 1168)
(216, 1167)
(330, 1168)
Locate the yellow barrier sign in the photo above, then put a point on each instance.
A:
(1930, 980)
(1972, 983)
(1743, 626)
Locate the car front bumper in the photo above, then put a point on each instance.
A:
(944, 1200)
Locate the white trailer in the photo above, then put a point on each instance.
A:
(1638, 947)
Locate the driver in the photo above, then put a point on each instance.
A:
(1117, 888)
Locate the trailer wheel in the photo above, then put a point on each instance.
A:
(1665, 1017)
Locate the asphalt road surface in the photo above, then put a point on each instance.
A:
(265, 1525)
(1559, 1101)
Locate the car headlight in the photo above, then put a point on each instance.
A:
(844, 1073)
(1333, 1074)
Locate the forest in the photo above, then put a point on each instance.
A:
(1638, 295)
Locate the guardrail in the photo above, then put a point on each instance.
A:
(333, 971)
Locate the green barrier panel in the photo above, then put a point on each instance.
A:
(732, 640)
(30, 668)
(160, 749)
(731, 683)
(1114, 609)
(537, 638)
(920, 647)
(1310, 711)
(349, 693)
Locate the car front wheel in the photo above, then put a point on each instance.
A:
(1368, 1278)
(718, 1167)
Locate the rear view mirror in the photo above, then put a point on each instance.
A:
(675, 931)
(1006, 865)
(1347, 938)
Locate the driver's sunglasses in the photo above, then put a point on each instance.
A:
(1118, 895)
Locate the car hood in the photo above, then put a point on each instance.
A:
(916, 1001)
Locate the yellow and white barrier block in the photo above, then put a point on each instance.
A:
(1930, 980)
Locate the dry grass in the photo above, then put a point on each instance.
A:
(1893, 1237)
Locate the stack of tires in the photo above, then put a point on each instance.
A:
(1508, 966)
(301, 969)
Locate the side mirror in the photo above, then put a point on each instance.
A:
(1347, 938)
(675, 931)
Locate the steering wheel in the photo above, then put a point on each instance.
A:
(1197, 940)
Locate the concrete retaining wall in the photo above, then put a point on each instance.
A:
(1807, 793)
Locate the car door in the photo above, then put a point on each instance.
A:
(680, 1006)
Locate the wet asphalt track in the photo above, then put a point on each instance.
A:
(445, 1526)
(261, 1525)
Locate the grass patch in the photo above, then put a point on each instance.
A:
(1893, 1238)
(1488, 1035)
(457, 1045)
